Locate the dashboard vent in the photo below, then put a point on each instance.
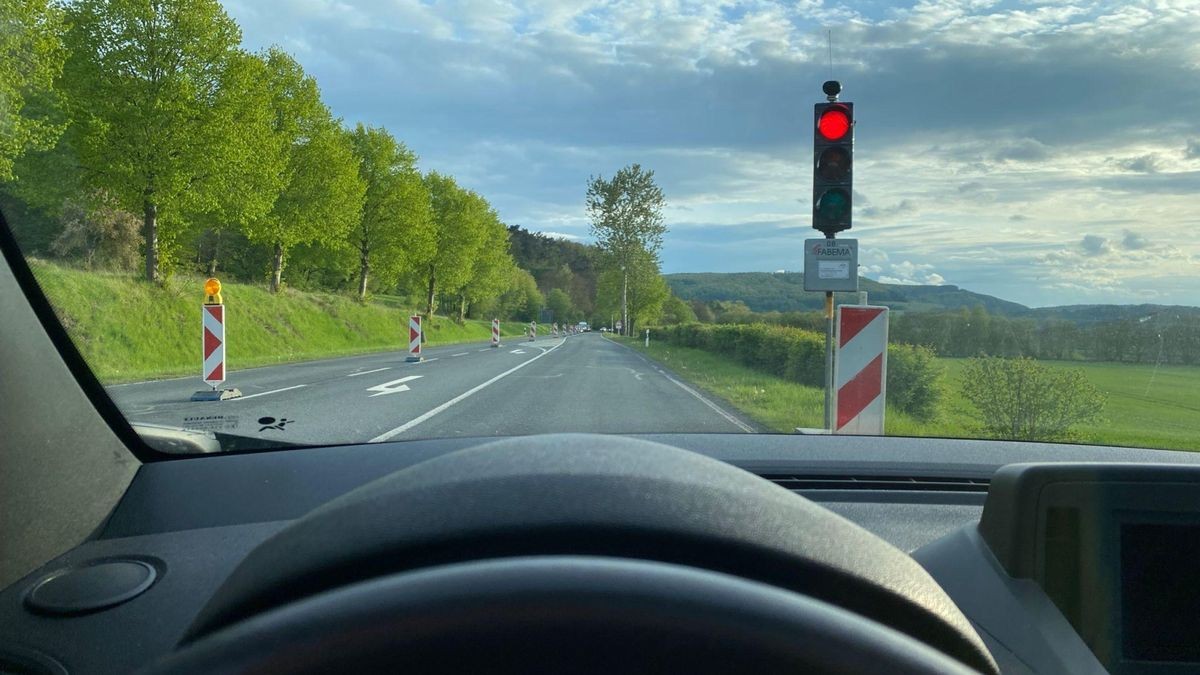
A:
(918, 483)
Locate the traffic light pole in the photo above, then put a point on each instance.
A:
(829, 360)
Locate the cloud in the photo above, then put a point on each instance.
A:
(904, 207)
(1132, 241)
(562, 235)
(1142, 164)
(1094, 244)
(1025, 150)
(974, 119)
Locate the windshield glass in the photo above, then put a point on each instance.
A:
(293, 222)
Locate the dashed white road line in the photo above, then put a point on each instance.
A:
(461, 354)
(485, 350)
(466, 394)
(264, 393)
(368, 372)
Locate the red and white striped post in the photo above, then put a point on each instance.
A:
(414, 339)
(212, 345)
(532, 331)
(213, 330)
(860, 370)
(495, 332)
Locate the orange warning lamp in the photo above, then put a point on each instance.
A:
(212, 292)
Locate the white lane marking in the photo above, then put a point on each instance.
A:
(393, 387)
(264, 393)
(485, 350)
(517, 351)
(417, 363)
(368, 372)
(466, 394)
(700, 397)
(462, 354)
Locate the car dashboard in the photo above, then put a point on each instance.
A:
(1065, 559)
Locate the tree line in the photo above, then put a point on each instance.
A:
(139, 132)
(1171, 337)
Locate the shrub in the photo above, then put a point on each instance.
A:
(1019, 398)
(914, 381)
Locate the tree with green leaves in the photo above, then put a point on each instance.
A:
(640, 284)
(151, 89)
(559, 304)
(254, 165)
(31, 57)
(322, 195)
(459, 218)
(395, 231)
(492, 269)
(627, 221)
(676, 311)
(521, 300)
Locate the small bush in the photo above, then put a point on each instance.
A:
(914, 381)
(1019, 398)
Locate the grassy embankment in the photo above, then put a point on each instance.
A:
(130, 330)
(1145, 408)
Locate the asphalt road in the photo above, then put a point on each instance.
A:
(582, 383)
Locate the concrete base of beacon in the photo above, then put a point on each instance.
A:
(414, 359)
(216, 394)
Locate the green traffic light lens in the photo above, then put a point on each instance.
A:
(834, 206)
(834, 163)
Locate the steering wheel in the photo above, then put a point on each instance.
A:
(582, 554)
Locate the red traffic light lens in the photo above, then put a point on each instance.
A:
(834, 123)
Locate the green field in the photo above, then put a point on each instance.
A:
(129, 330)
(1145, 408)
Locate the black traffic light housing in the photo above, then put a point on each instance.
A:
(833, 159)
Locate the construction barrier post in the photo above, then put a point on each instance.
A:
(495, 332)
(415, 336)
(532, 331)
(860, 370)
(212, 345)
(647, 337)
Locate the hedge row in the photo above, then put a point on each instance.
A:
(913, 377)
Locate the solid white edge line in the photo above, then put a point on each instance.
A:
(368, 372)
(721, 411)
(264, 393)
(466, 394)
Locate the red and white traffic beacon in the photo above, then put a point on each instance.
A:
(495, 332)
(415, 337)
(212, 345)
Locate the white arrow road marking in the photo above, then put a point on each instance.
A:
(414, 422)
(517, 351)
(393, 387)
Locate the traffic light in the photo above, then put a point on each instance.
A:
(833, 155)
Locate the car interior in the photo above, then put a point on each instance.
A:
(572, 553)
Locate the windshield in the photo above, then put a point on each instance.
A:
(291, 222)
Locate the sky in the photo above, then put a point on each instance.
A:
(1046, 153)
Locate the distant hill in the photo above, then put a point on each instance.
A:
(784, 292)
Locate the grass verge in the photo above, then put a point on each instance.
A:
(1146, 407)
(129, 330)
